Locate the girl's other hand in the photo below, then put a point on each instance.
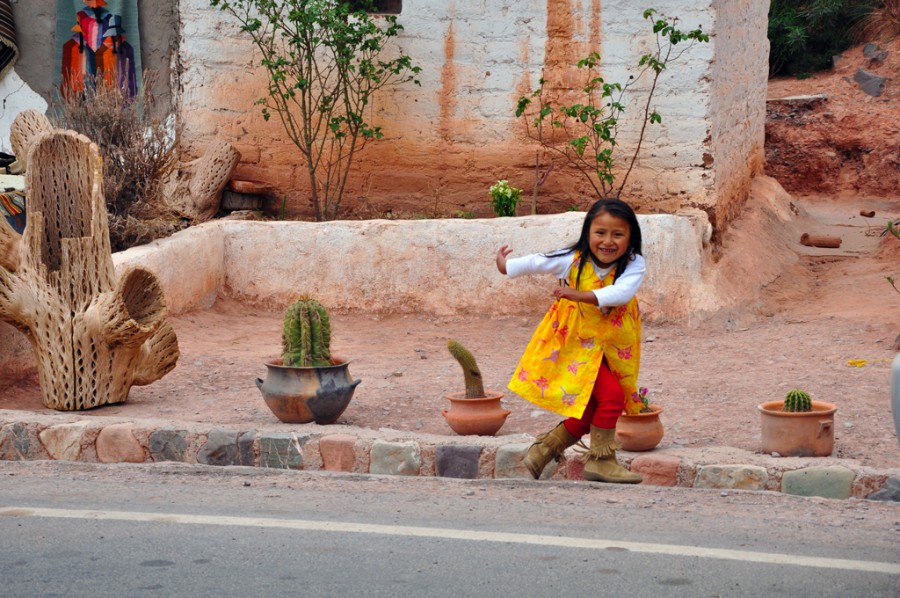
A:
(501, 258)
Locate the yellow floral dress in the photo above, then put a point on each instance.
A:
(560, 364)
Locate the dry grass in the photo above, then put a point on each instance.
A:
(138, 152)
(880, 24)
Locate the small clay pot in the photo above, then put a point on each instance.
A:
(481, 417)
(641, 431)
(797, 433)
(299, 395)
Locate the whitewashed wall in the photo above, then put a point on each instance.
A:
(457, 132)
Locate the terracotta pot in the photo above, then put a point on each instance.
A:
(299, 395)
(481, 417)
(641, 431)
(797, 434)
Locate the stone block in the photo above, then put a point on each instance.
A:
(64, 442)
(281, 450)
(732, 477)
(510, 463)
(168, 444)
(338, 452)
(890, 491)
(117, 444)
(457, 461)
(657, 470)
(226, 447)
(395, 458)
(246, 453)
(18, 443)
(827, 482)
(574, 468)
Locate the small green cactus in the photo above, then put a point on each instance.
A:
(797, 400)
(474, 384)
(306, 339)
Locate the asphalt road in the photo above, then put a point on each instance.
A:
(176, 530)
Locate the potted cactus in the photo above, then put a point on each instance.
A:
(797, 426)
(475, 411)
(307, 384)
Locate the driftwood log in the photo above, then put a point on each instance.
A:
(93, 337)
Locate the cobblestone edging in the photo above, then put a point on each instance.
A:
(391, 452)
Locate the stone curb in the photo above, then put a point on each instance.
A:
(73, 437)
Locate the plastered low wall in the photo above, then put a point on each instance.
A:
(435, 266)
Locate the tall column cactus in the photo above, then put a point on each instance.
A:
(306, 339)
(471, 373)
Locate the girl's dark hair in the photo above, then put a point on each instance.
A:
(613, 207)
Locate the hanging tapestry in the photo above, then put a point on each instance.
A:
(9, 51)
(97, 38)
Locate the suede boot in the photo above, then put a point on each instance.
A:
(548, 446)
(600, 464)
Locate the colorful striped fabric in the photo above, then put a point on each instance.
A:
(12, 207)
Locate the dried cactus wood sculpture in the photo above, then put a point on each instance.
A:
(25, 128)
(93, 337)
(195, 188)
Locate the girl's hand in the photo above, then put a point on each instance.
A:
(573, 295)
(501, 258)
(565, 293)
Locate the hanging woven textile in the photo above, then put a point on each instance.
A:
(97, 39)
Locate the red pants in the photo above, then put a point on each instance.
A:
(604, 408)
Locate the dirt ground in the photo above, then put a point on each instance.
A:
(831, 307)
(847, 144)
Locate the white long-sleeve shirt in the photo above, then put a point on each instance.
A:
(619, 293)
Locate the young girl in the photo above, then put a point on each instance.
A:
(582, 361)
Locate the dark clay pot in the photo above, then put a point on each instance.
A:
(299, 395)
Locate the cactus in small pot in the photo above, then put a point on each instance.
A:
(474, 383)
(797, 401)
(306, 338)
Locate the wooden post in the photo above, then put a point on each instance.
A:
(93, 337)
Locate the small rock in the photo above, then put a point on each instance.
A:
(848, 425)
(246, 484)
(723, 494)
(869, 83)
(536, 413)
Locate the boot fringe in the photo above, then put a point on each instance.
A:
(593, 453)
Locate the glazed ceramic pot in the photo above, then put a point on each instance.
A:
(641, 431)
(797, 434)
(481, 417)
(299, 395)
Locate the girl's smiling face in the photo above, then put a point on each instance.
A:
(610, 238)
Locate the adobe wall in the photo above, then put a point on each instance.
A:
(448, 140)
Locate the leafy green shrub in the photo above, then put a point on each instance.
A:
(504, 198)
(804, 36)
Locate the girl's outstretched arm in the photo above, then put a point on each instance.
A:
(625, 287)
(504, 252)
